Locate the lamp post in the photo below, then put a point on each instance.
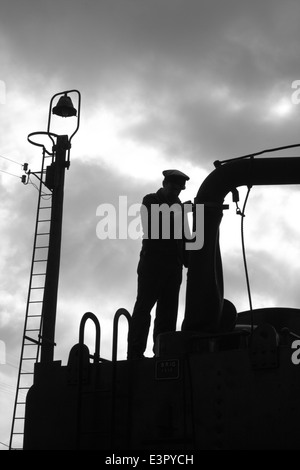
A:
(61, 161)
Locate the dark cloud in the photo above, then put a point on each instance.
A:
(203, 74)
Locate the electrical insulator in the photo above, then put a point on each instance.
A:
(25, 166)
(23, 179)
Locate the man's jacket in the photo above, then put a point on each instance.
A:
(163, 227)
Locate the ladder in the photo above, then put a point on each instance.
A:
(30, 347)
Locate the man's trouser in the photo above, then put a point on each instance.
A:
(159, 280)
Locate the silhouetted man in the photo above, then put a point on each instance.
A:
(160, 265)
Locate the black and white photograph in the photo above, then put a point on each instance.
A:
(150, 230)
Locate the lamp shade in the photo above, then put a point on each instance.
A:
(64, 107)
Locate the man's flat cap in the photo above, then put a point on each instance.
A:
(175, 174)
(176, 177)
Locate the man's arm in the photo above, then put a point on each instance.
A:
(148, 201)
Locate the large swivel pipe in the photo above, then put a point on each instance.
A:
(204, 294)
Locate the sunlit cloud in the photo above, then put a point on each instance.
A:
(283, 108)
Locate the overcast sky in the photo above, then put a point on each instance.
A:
(164, 84)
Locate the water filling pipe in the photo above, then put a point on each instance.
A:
(205, 290)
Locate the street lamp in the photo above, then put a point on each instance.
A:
(64, 107)
(55, 176)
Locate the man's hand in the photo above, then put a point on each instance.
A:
(190, 204)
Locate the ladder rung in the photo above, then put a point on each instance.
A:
(40, 247)
(38, 274)
(34, 288)
(20, 417)
(40, 260)
(26, 373)
(33, 329)
(43, 233)
(32, 316)
(29, 359)
(44, 220)
(35, 302)
(31, 339)
(46, 207)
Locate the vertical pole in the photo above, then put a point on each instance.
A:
(53, 264)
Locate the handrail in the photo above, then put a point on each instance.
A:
(118, 314)
(91, 316)
(87, 316)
